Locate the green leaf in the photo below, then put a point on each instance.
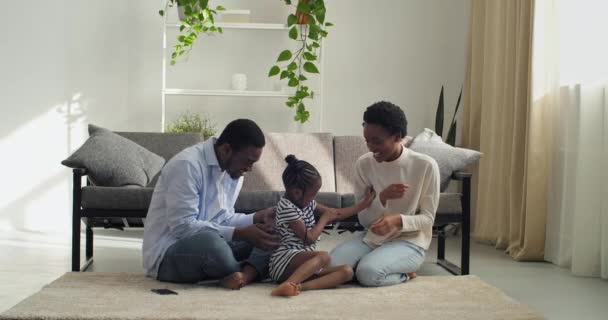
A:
(172, 62)
(284, 74)
(284, 56)
(451, 138)
(320, 14)
(274, 71)
(293, 33)
(309, 56)
(302, 78)
(161, 13)
(289, 104)
(220, 8)
(439, 115)
(301, 94)
(203, 3)
(291, 20)
(310, 67)
(303, 7)
(316, 45)
(329, 24)
(220, 30)
(293, 82)
(292, 66)
(181, 28)
(457, 105)
(313, 34)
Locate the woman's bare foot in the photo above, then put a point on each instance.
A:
(412, 275)
(286, 289)
(234, 281)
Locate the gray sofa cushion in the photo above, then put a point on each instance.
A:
(252, 201)
(116, 198)
(112, 160)
(449, 203)
(166, 145)
(316, 148)
(448, 158)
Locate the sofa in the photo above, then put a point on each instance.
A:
(334, 156)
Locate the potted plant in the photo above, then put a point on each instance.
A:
(193, 122)
(307, 26)
(196, 16)
(451, 136)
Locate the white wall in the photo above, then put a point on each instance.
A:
(66, 63)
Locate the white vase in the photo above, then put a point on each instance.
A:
(239, 82)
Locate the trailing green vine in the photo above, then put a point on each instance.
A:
(197, 18)
(308, 27)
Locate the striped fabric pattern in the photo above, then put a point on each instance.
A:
(291, 245)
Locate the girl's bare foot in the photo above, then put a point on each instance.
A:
(234, 281)
(412, 275)
(286, 289)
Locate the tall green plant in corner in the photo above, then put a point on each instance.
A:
(196, 17)
(451, 137)
(308, 27)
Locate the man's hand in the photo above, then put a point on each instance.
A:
(258, 235)
(394, 191)
(266, 216)
(387, 224)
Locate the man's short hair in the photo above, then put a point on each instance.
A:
(387, 115)
(242, 133)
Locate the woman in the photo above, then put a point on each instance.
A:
(399, 222)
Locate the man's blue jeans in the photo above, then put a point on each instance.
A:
(386, 265)
(207, 255)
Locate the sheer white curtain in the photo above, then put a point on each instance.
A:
(570, 93)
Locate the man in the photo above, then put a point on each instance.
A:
(192, 232)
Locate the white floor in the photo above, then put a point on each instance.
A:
(29, 261)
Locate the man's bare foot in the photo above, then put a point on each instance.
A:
(412, 275)
(234, 281)
(286, 289)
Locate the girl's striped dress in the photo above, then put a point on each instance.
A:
(290, 243)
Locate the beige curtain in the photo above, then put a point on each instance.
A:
(510, 184)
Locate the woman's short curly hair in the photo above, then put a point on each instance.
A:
(387, 115)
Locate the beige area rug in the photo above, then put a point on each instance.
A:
(127, 296)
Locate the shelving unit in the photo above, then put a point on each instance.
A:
(165, 91)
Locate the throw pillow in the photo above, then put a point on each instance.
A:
(115, 161)
(448, 158)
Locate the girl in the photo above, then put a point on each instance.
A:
(296, 264)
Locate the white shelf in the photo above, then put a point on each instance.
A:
(235, 93)
(258, 26)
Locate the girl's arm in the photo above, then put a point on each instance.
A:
(310, 236)
(344, 213)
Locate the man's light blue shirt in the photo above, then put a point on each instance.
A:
(192, 194)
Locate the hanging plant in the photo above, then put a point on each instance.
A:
(307, 26)
(196, 17)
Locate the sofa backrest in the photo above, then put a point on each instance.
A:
(165, 145)
(316, 148)
(347, 150)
